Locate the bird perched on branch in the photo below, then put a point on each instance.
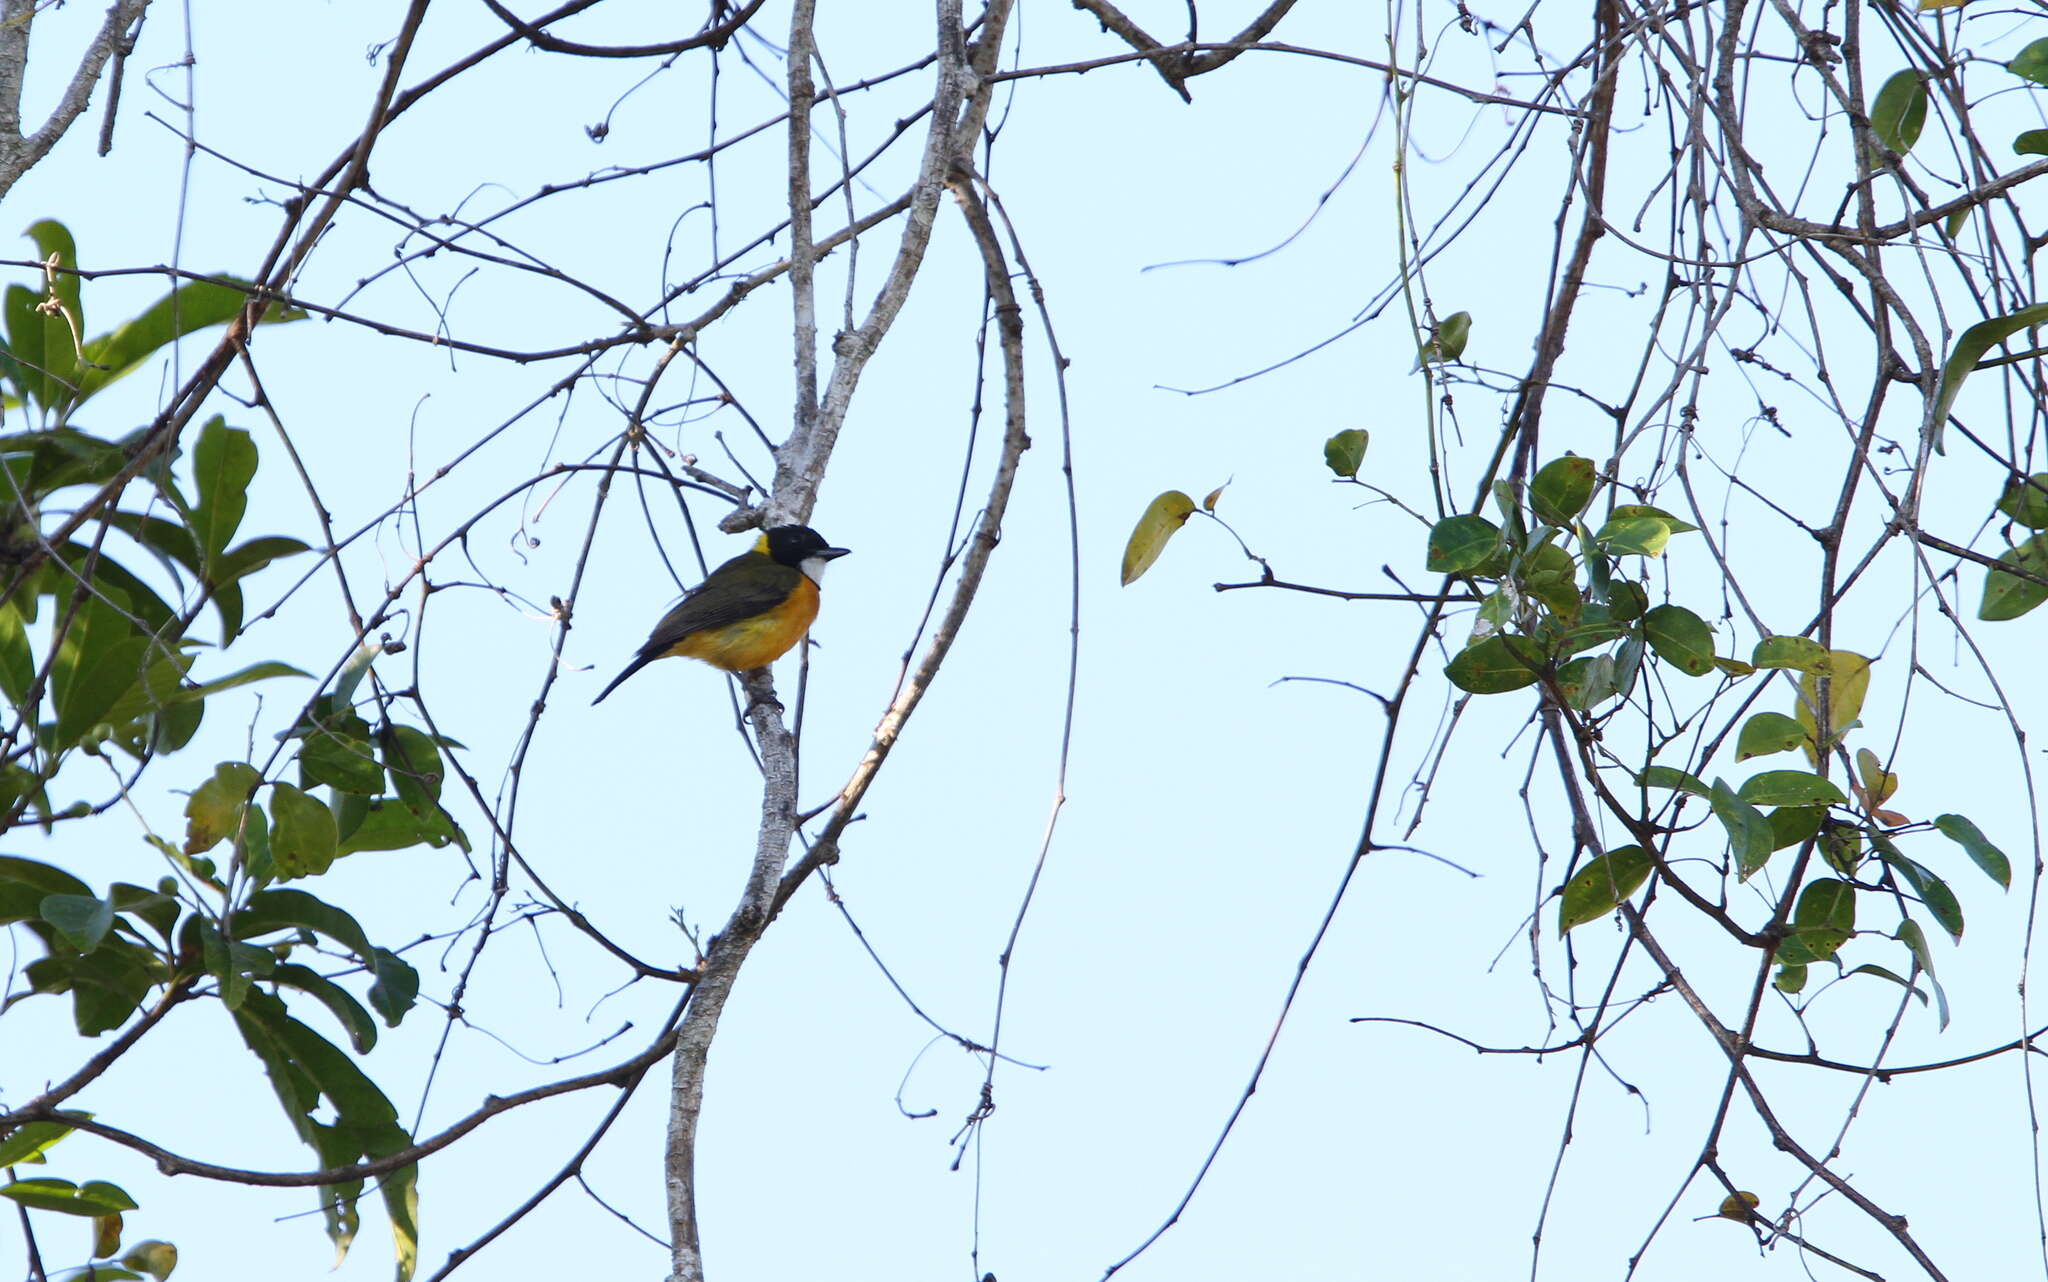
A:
(749, 611)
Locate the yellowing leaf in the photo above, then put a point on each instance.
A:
(1739, 1207)
(1163, 517)
(1876, 783)
(1848, 676)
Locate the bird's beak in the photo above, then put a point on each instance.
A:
(830, 554)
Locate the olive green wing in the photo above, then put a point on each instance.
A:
(714, 604)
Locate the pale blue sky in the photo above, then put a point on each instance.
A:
(1211, 811)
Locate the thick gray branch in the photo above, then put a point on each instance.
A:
(19, 152)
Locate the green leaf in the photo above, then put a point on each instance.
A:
(1931, 890)
(1447, 343)
(41, 462)
(1801, 654)
(106, 984)
(252, 846)
(1793, 825)
(165, 686)
(1626, 600)
(24, 884)
(238, 563)
(187, 309)
(1496, 665)
(233, 964)
(223, 464)
(1588, 681)
(24, 365)
(115, 583)
(2007, 596)
(1790, 788)
(1548, 573)
(42, 341)
(1979, 848)
(214, 810)
(1599, 887)
(1461, 543)
(169, 541)
(271, 910)
(17, 659)
(2034, 142)
(1633, 510)
(401, 1193)
(2032, 62)
(1677, 780)
(355, 1021)
(1910, 934)
(2025, 500)
(397, 986)
(53, 240)
(83, 920)
(1767, 733)
(1971, 347)
(1822, 922)
(1561, 489)
(1750, 838)
(100, 658)
(1634, 535)
(93, 1198)
(338, 754)
(354, 1096)
(1162, 519)
(26, 1144)
(1345, 452)
(386, 823)
(1790, 979)
(1900, 980)
(304, 1068)
(303, 836)
(1841, 844)
(1899, 111)
(1681, 638)
(414, 762)
(153, 907)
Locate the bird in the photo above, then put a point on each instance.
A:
(749, 611)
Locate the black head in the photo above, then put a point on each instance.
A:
(795, 544)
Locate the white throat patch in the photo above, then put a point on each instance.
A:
(814, 568)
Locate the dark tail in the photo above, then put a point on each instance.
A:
(640, 661)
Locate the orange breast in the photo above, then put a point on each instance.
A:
(759, 641)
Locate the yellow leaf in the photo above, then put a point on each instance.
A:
(1165, 515)
(1848, 675)
(1878, 783)
(1740, 1207)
